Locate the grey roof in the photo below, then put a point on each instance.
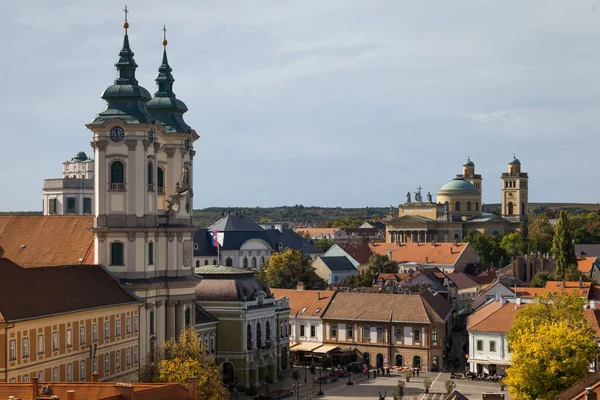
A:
(291, 240)
(237, 223)
(338, 263)
(203, 316)
(590, 250)
(221, 283)
(203, 246)
(484, 217)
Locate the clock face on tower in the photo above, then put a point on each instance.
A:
(510, 194)
(117, 133)
(151, 135)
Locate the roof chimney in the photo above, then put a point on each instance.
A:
(580, 283)
(191, 387)
(95, 377)
(35, 387)
(590, 394)
(318, 295)
(126, 390)
(300, 286)
(70, 395)
(426, 260)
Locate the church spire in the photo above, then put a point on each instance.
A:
(164, 80)
(126, 65)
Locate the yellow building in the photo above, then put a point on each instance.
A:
(459, 209)
(54, 319)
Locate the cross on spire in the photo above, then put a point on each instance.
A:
(126, 24)
(164, 36)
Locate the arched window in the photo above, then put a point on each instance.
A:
(249, 337)
(197, 263)
(150, 253)
(262, 261)
(416, 361)
(523, 210)
(253, 262)
(476, 206)
(258, 335)
(511, 208)
(379, 360)
(468, 206)
(398, 360)
(268, 331)
(116, 253)
(205, 262)
(160, 180)
(245, 265)
(457, 206)
(150, 175)
(117, 176)
(366, 358)
(228, 262)
(434, 335)
(215, 261)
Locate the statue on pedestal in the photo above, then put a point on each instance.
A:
(408, 197)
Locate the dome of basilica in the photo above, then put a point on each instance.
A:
(458, 185)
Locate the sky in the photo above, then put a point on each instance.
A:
(318, 102)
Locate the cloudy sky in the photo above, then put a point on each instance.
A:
(318, 102)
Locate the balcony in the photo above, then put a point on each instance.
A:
(116, 187)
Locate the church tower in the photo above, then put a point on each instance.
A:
(515, 199)
(147, 247)
(469, 174)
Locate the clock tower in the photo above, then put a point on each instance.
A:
(515, 199)
(143, 232)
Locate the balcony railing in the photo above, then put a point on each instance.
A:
(116, 187)
(161, 190)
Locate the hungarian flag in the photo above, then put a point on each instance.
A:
(217, 238)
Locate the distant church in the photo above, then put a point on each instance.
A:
(459, 209)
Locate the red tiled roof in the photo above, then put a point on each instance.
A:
(494, 317)
(33, 241)
(557, 287)
(592, 316)
(462, 280)
(361, 252)
(584, 264)
(422, 253)
(97, 390)
(312, 300)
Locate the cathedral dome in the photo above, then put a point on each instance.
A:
(469, 163)
(515, 161)
(80, 156)
(458, 185)
(220, 283)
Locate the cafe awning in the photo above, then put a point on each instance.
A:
(326, 348)
(305, 347)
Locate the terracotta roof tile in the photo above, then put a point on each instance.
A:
(97, 390)
(577, 391)
(494, 317)
(309, 299)
(33, 292)
(361, 252)
(592, 316)
(422, 253)
(528, 292)
(462, 280)
(584, 264)
(571, 286)
(33, 241)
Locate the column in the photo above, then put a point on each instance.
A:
(412, 236)
(179, 317)
(170, 319)
(425, 236)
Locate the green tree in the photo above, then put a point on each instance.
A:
(487, 248)
(540, 279)
(185, 358)
(552, 346)
(359, 280)
(563, 249)
(540, 234)
(324, 243)
(285, 269)
(513, 244)
(378, 263)
(345, 222)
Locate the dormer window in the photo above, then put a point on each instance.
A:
(317, 310)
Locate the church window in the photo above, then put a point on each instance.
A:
(87, 205)
(245, 264)
(262, 261)
(468, 206)
(71, 205)
(150, 177)
(205, 262)
(150, 253)
(258, 335)
(510, 208)
(160, 180)
(116, 253)
(117, 176)
(523, 210)
(249, 337)
(457, 206)
(476, 206)
(228, 262)
(253, 262)
(52, 206)
(151, 318)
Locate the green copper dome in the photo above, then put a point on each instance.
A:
(80, 156)
(458, 185)
(515, 161)
(126, 100)
(165, 106)
(469, 163)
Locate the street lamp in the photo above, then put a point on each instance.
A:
(304, 372)
(320, 382)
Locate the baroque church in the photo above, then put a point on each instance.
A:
(458, 209)
(142, 218)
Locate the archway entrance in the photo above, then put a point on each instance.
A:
(417, 362)
(228, 373)
(398, 360)
(379, 360)
(366, 358)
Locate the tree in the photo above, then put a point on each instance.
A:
(513, 244)
(487, 248)
(563, 249)
(540, 234)
(539, 280)
(359, 280)
(285, 269)
(324, 243)
(552, 346)
(378, 263)
(450, 386)
(185, 358)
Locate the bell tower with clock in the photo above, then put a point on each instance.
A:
(515, 199)
(145, 243)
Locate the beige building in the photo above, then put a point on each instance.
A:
(62, 324)
(459, 209)
(390, 329)
(253, 335)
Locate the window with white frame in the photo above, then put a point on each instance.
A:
(25, 347)
(54, 341)
(13, 380)
(313, 331)
(12, 350)
(380, 333)
(128, 357)
(82, 335)
(40, 344)
(69, 372)
(95, 365)
(41, 376)
(118, 327)
(55, 374)
(136, 324)
(416, 335)
(82, 370)
(25, 378)
(492, 345)
(118, 359)
(349, 332)
(69, 338)
(106, 364)
(136, 356)
(106, 331)
(94, 332)
(480, 345)
(128, 325)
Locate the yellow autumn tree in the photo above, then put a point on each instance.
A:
(186, 358)
(552, 346)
